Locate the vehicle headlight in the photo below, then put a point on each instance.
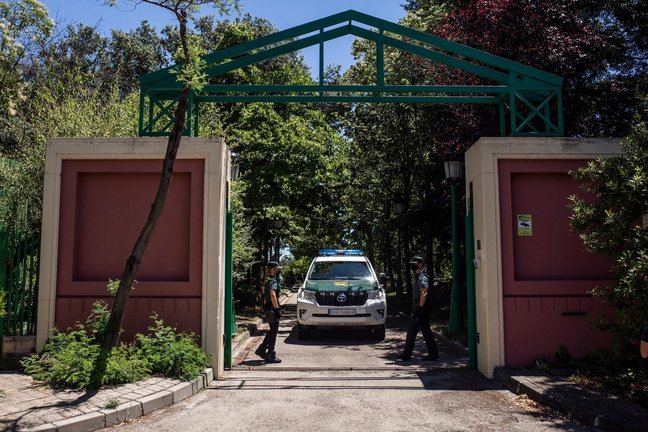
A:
(307, 295)
(375, 294)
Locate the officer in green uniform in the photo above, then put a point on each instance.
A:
(273, 312)
(421, 298)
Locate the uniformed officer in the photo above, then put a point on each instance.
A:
(420, 319)
(273, 312)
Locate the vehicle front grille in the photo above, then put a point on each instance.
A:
(334, 298)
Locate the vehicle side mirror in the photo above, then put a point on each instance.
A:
(382, 278)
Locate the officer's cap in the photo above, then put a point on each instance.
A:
(416, 260)
(273, 264)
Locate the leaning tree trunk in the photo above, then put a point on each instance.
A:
(114, 326)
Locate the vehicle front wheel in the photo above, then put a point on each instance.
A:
(379, 332)
(303, 333)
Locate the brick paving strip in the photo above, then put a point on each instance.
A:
(26, 405)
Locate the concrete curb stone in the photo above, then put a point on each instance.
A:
(156, 401)
(82, 423)
(603, 411)
(123, 412)
(183, 390)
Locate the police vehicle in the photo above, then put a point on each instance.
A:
(341, 290)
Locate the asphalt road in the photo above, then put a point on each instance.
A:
(346, 380)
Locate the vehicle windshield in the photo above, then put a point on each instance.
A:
(340, 270)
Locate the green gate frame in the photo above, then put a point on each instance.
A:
(530, 99)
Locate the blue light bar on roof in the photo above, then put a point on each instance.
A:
(346, 252)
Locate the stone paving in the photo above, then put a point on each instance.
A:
(26, 404)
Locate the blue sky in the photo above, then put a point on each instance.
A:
(282, 13)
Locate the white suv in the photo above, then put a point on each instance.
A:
(341, 290)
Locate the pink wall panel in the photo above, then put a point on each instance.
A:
(536, 326)
(102, 199)
(104, 204)
(546, 276)
(183, 313)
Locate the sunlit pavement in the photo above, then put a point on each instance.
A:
(342, 380)
(340, 348)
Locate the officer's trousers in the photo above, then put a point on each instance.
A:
(271, 337)
(420, 320)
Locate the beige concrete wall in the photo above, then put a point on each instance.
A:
(481, 170)
(215, 154)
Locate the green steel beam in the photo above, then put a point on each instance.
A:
(351, 99)
(276, 51)
(433, 55)
(538, 90)
(255, 88)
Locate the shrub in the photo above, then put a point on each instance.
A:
(69, 358)
(171, 353)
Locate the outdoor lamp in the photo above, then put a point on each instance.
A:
(235, 167)
(453, 167)
(399, 203)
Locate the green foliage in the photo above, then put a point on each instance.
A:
(190, 67)
(70, 357)
(98, 319)
(613, 372)
(67, 360)
(112, 403)
(24, 24)
(171, 353)
(3, 301)
(609, 220)
(563, 357)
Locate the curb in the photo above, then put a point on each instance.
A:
(129, 410)
(592, 408)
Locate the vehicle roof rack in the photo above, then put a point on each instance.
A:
(344, 252)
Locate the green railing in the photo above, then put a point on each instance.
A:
(19, 268)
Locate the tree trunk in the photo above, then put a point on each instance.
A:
(133, 262)
(115, 322)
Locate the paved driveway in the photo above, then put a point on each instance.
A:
(346, 380)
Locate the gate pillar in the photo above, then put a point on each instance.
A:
(532, 273)
(97, 196)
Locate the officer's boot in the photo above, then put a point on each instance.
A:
(261, 352)
(272, 357)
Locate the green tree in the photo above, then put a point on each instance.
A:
(24, 24)
(614, 223)
(189, 73)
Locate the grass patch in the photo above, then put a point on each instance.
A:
(112, 403)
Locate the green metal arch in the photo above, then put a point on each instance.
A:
(529, 98)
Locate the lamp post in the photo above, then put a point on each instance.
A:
(398, 209)
(230, 320)
(453, 167)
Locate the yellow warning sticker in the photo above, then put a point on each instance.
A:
(524, 225)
